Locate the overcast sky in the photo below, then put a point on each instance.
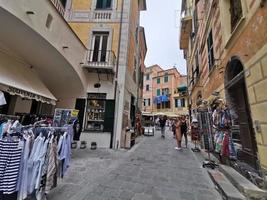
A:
(162, 23)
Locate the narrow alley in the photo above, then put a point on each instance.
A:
(152, 170)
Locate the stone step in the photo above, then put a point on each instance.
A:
(250, 190)
(227, 190)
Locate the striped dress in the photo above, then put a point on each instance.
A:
(10, 156)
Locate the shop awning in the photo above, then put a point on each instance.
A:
(147, 113)
(182, 88)
(23, 81)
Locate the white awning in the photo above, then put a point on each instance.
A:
(147, 113)
(23, 81)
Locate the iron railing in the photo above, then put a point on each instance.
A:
(58, 5)
(100, 58)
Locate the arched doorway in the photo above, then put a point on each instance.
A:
(237, 99)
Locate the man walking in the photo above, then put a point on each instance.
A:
(162, 123)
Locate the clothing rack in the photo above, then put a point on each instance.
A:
(55, 128)
(9, 116)
(52, 149)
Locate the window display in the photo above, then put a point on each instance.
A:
(95, 115)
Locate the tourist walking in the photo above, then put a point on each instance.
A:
(184, 129)
(178, 134)
(162, 123)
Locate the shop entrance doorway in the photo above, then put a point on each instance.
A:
(237, 98)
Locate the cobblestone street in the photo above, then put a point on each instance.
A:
(152, 170)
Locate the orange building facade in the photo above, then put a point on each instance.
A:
(225, 45)
(161, 93)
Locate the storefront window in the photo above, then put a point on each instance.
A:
(95, 114)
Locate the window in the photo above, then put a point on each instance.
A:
(158, 80)
(166, 78)
(158, 92)
(144, 102)
(136, 34)
(103, 4)
(236, 12)
(166, 104)
(99, 48)
(95, 112)
(64, 2)
(165, 91)
(147, 87)
(48, 21)
(196, 70)
(147, 77)
(180, 103)
(148, 102)
(195, 17)
(210, 51)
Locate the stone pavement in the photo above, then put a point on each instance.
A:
(152, 170)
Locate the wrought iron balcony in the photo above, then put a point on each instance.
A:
(101, 61)
(59, 6)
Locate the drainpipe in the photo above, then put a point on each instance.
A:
(117, 69)
(118, 52)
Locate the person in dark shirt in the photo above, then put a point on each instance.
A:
(162, 123)
(184, 129)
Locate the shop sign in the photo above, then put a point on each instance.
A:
(96, 95)
(29, 95)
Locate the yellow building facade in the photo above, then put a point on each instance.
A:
(110, 31)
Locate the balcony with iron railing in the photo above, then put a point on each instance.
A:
(102, 61)
(59, 6)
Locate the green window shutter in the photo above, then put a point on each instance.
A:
(80, 105)
(158, 80)
(109, 118)
(158, 92)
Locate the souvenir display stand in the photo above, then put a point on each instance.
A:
(204, 117)
(195, 136)
(224, 146)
